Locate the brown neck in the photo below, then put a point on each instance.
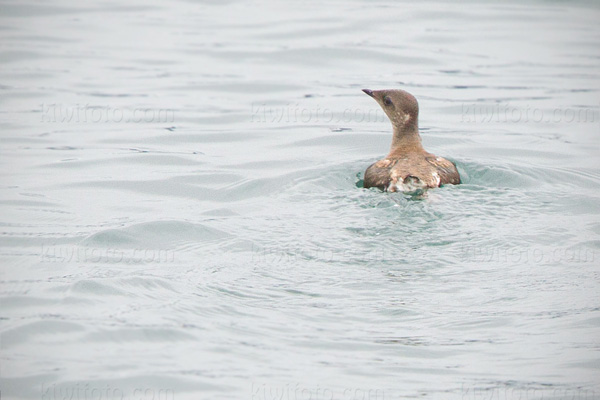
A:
(406, 141)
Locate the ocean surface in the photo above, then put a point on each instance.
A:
(182, 213)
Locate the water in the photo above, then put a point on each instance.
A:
(183, 218)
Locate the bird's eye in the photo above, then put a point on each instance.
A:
(387, 101)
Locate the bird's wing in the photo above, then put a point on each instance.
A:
(378, 174)
(446, 170)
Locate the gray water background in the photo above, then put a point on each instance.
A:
(182, 214)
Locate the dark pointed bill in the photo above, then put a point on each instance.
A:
(368, 91)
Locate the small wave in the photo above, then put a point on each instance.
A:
(156, 233)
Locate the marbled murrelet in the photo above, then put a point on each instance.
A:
(408, 167)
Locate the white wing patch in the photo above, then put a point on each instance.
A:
(437, 178)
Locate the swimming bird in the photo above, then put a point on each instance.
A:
(408, 167)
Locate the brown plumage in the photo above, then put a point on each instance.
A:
(408, 167)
